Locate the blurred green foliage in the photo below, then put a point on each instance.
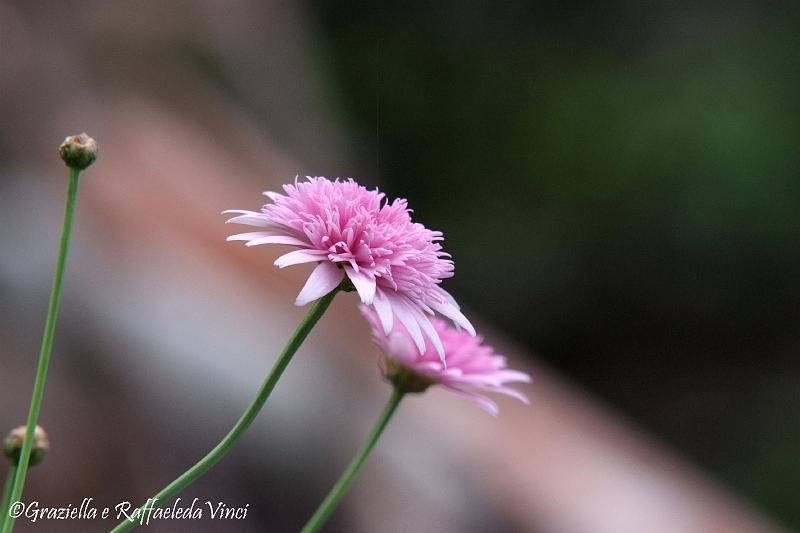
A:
(620, 187)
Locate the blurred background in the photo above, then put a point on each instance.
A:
(617, 183)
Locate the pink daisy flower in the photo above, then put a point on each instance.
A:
(396, 265)
(471, 365)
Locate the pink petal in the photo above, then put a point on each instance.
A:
(511, 376)
(384, 311)
(402, 349)
(322, 280)
(407, 318)
(425, 324)
(432, 335)
(251, 218)
(482, 401)
(364, 284)
(431, 366)
(299, 256)
(240, 212)
(513, 393)
(453, 313)
(277, 239)
(249, 236)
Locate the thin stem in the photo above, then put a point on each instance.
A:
(47, 346)
(215, 455)
(331, 502)
(12, 472)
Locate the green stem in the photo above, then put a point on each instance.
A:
(215, 455)
(47, 346)
(12, 472)
(331, 502)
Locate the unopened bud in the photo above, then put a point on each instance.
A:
(12, 446)
(78, 151)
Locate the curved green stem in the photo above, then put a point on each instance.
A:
(331, 502)
(215, 455)
(47, 347)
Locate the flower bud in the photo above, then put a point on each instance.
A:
(78, 151)
(12, 447)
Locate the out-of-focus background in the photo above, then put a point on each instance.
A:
(618, 184)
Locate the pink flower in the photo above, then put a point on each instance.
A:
(396, 265)
(471, 365)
